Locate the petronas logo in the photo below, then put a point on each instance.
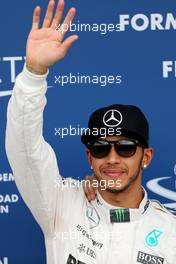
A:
(152, 237)
(119, 215)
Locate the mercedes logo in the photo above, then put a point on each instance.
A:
(112, 118)
(93, 216)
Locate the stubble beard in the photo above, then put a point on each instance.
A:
(132, 180)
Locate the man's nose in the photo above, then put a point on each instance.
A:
(113, 157)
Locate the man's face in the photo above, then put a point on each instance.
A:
(116, 173)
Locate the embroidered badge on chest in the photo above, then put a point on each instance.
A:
(119, 215)
(93, 216)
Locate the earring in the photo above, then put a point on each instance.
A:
(145, 166)
(91, 167)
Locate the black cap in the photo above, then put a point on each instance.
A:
(118, 119)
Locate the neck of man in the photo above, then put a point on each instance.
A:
(129, 197)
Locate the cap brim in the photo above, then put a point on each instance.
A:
(85, 139)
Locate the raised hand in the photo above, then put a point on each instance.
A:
(45, 45)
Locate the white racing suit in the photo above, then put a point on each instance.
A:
(76, 231)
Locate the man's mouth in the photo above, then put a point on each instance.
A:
(113, 173)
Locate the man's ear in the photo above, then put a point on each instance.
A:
(89, 157)
(147, 157)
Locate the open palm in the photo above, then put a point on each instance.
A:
(45, 46)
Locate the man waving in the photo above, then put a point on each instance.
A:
(121, 225)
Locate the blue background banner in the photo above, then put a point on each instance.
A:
(125, 54)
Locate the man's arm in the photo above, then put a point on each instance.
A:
(32, 159)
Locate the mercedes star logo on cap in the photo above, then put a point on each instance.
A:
(112, 118)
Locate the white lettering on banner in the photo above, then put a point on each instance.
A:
(5, 200)
(4, 209)
(4, 260)
(9, 198)
(12, 66)
(169, 67)
(12, 60)
(6, 177)
(141, 22)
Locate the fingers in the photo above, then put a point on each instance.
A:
(89, 190)
(58, 15)
(49, 14)
(68, 42)
(66, 24)
(36, 18)
(50, 21)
